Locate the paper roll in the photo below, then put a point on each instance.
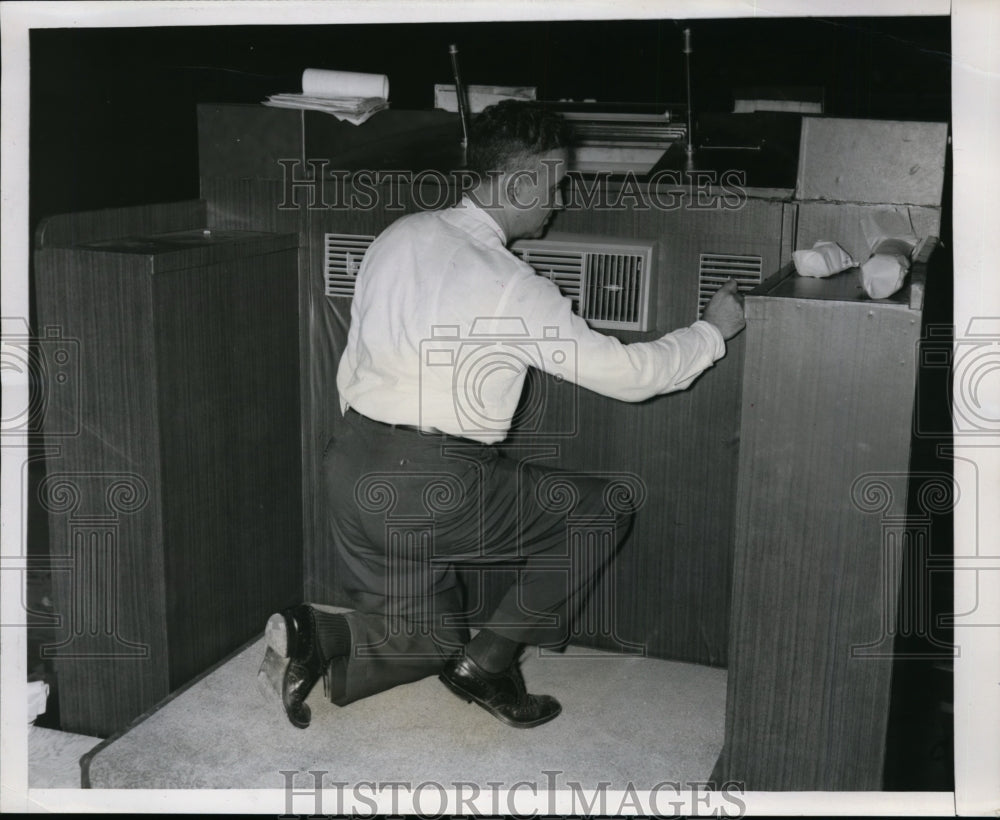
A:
(318, 82)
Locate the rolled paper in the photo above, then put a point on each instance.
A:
(318, 82)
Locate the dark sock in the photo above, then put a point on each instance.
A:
(332, 634)
(492, 652)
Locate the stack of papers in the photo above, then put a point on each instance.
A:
(352, 109)
(348, 95)
(803, 100)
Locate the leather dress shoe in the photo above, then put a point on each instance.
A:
(502, 694)
(292, 634)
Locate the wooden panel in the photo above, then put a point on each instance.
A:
(66, 230)
(251, 204)
(390, 140)
(672, 578)
(200, 247)
(848, 160)
(827, 400)
(789, 227)
(247, 141)
(841, 223)
(227, 363)
(112, 659)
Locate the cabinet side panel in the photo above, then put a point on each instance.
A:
(827, 407)
(102, 490)
(227, 351)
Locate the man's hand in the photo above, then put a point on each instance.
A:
(725, 310)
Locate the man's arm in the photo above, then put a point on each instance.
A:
(638, 371)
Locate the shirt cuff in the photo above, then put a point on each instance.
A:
(713, 334)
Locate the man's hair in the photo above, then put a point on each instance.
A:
(511, 130)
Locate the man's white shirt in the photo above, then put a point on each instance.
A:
(445, 323)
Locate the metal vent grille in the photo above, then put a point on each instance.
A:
(342, 255)
(565, 267)
(715, 268)
(607, 279)
(615, 284)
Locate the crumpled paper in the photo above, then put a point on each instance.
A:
(883, 274)
(823, 259)
(891, 240)
(889, 232)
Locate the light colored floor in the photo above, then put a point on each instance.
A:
(54, 758)
(625, 720)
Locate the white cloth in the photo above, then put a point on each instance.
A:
(445, 322)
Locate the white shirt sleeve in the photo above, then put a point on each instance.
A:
(628, 372)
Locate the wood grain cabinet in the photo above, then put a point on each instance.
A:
(824, 470)
(172, 480)
(822, 491)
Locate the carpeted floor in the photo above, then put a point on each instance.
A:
(625, 720)
(54, 757)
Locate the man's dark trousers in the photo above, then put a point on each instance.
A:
(406, 507)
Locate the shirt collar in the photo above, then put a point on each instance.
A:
(468, 206)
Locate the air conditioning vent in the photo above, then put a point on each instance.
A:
(715, 268)
(607, 279)
(342, 257)
(564, 266)
(614, 288)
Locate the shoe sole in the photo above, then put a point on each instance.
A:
(276, 634)
(271, 674)
(470, 698)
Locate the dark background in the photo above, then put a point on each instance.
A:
(113, 123)
(113, 110)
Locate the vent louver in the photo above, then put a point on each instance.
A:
(342, 255)
(614, 288)
(715, 268)
(565, 267)
(606, 279)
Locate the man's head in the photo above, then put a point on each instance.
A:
(518, 150)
